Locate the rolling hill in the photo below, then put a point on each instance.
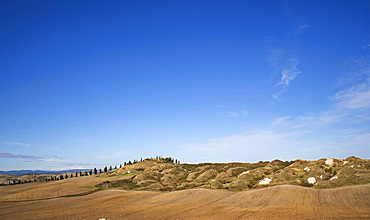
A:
(156, 189)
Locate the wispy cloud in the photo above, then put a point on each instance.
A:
(304, 26)
(32, 158)
(252, 145)
(356, 97)
(17, 143)
(233, 114)
(269, 144)
(9, 155)
(279, 120)
(275, 55)
(301, 28)
(240, 113)
(288, 74)
(53, 159)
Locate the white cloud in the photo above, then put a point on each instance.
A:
(233, 114)
(10, 155)
(356, 97)
(253, 145)
(321, 118)
(275, 55)
(269, 144)
(303, 27)
(17, 143)
(280, 120)
(53, 159)
(240, 113)
(288, 74)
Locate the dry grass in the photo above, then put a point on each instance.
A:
(278, 202)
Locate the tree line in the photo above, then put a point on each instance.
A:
(91, 172)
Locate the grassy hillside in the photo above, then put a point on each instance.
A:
(158, 175)
(160, 189)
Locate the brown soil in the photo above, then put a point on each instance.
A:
(277, 202)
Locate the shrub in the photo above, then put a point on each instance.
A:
(307, 184)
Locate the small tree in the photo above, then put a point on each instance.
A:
(105, 169)
(100, 171)
(110, 168)
(120, 166)
(124, 164)
(95, 171)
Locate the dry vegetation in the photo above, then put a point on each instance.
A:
(157, 190)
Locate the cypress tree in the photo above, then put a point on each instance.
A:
(95, 171)
(110, 168)
(105, 169)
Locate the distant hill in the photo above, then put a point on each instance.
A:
(24, 172)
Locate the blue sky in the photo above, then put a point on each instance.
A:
(86, 84)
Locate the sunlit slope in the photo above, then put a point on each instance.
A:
(156, 175)
(162, 176)
(277, 202)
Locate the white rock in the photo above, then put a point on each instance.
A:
(129, 172)
(212, 180)
(311, 180)
(334, 177)
(307, 169)
(321, 177)
(265, 181)
(344, 163)
(352, 166)
(244, 173)
(329, 162)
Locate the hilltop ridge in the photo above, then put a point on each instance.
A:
(161, 175)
